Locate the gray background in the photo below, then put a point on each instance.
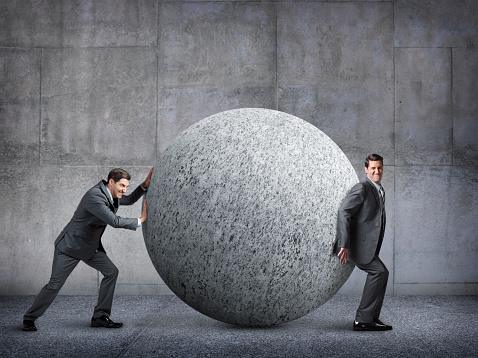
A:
(86, 86)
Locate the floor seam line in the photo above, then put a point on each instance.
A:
(124, 351)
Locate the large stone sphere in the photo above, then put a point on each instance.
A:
(242, 212)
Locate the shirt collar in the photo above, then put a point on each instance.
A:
(109, 194)
(377, 186)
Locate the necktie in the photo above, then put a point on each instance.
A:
(382, 194)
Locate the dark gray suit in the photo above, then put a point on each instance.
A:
(360, 229)
(81, 240)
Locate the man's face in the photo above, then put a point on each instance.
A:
(119, 188)
(375, 171)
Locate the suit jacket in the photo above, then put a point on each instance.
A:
(359, 223)
(81, 237)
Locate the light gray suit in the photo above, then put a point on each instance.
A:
(360, 229)
(81, 240)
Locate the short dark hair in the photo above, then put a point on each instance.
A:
(117, 174)
(373, 158)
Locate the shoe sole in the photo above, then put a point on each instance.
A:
(29, 329)
(368, 329)
(100, 325)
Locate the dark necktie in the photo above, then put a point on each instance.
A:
(382, 194)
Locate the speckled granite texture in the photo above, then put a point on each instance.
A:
(242, 211)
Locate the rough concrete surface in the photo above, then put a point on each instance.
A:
(164, 326)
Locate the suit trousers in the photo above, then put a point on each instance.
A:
(62, 267)
(373, 291)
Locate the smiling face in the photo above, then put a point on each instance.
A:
(375, 171)
(119, 188)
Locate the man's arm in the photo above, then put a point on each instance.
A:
(97, 205)
(349, 207)
(148, 179)
(343, 255)
(144, 213)
(138, 192)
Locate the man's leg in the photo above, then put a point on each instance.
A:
(373, 292)
(381, 294)
(62, 267)
(101, 262)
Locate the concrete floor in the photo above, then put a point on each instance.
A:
(163, 326)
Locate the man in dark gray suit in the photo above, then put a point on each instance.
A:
(360, 230)
(80, 240)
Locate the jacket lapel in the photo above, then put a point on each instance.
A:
(375, 193)
(113, 204)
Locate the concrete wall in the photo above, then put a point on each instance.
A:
(87, 85)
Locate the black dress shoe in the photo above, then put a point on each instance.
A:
(29, 325)
(373, 326)
(106, 322)
(387, 327)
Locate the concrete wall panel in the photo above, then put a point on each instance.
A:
(423, 107)
(217, 44)
(436, 23)
(98, 106)
(435, 225)
(78, 23)
(52, 189)
(40, 202)
(86, 86)
(19, 105)
(335, 70)
(465, 107)
(213, 57)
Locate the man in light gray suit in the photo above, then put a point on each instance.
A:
(360, 230)
(80, 240)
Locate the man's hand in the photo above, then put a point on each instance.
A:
(343, 255)
(144, 213)
(148, 179)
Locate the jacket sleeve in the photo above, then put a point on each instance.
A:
(133, 197)
(98, 206)
(349, 207)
